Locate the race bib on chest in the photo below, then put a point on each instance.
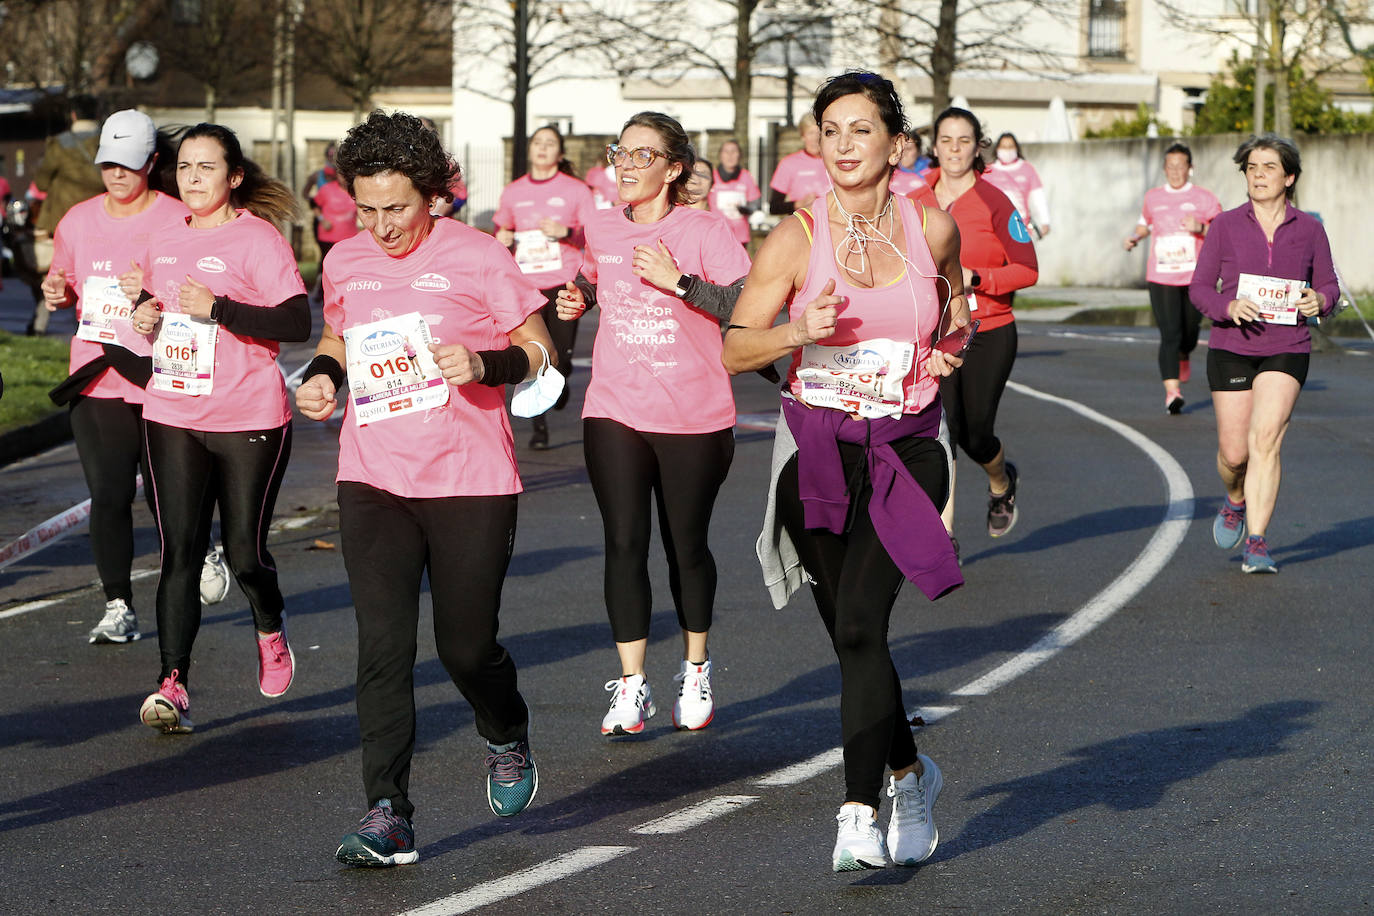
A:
(729, 202)
(1277, 298)
(1175, 254)
(864, 378)
(184, 354)
(105, 312)
(390, 369)
(536, 253)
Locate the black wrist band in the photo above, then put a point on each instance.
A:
(324, 364)
(217, 309)
(974, 280)
(504, 367)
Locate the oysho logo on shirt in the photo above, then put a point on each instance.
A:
(430, 283)
(609, 259)
(165, 259)
(354, 286)
(211, 265)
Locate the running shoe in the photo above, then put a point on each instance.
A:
(695, 706)
(859, 842)
(512, 779)
(169, 709)
(632, 704)
(214, 577)
(385, 838)
(1173, 403)
(1228, 530)
(118, 625)
(1185, 369)
(1002, 512)
(911, 833)
(276, 663)
(539, 439)
(1256, 557)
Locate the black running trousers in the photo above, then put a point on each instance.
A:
(1178, 323)
(972, 393)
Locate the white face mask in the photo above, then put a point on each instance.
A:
(539, 394)
(1006, 156)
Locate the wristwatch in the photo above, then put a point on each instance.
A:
(684, 286)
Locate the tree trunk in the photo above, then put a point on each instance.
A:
(943, 56)
(1261, 66)
(741, 86)
(1283, 109)
(211, 98)
(519, 151)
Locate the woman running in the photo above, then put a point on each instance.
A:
(448, 509)
(540, 216)
(998, 259)
(224, 292)
(94, 248)
(799, 177)
(1017, 178)
(859, 472)
(1264, 271)
(1175, 216)
(734, 192)
(659, 415)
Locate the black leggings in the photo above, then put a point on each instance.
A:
(562, 333)
(856, 585)
(191, 471)
(971, 393)
(1178, 325)
(389, 542)
(109, 440)
(683, 473)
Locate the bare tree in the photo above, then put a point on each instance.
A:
(78, 44)
(362, 45)
(226, 45)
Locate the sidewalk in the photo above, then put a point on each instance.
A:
(1084, 298)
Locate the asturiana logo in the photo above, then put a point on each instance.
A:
(380, 343)
(178, 331)
(430, 283)
(211, 265)
(859, 359)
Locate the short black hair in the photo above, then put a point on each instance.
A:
(397, 142)
(980, 142)
(1179, 147)
(1289, 157)
(871, 86)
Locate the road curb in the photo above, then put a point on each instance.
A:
(54, 429)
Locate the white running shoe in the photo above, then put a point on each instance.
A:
(632, 704)
(214, 577)
(695, 706)
(118, 625)
(911, 833)
(859, 844)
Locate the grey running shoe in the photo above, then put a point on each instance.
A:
(1228, 530)
(512, 780)
(1002, 512)
(118, 625)
(214, 577)
(1256, 558)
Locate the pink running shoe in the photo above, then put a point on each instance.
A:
(168, 710)
(276, 663)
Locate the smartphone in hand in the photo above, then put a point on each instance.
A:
(957, 342)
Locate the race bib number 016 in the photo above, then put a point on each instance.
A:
(1277, 298)
(390, 369)
(184, 354)
(105, 312)
(864, 378)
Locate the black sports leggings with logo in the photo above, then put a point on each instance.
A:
(191, 471)
(630, 471)
(109, 441)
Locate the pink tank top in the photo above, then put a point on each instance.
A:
(908, 309)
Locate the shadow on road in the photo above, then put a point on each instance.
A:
(1114, 520)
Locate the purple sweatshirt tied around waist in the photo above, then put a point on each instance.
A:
(907, 523)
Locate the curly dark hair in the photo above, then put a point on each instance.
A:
(397, 142)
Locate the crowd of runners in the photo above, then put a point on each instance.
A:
(897, 274)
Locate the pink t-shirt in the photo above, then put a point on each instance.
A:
(906, 310)
(469, 290)
(1016, 180)
(799, 175)
(727, 196)
(89, 242)
(656, 362)
(247, 260)
(601, 179)
(1173, 249)
(562, 198)
(904, 183)
(337, 206)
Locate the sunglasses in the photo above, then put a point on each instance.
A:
(641, 157)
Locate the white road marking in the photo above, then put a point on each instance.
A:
(695, 815)
(493, 891)
(826, 760)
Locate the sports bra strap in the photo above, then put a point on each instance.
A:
(808, 221)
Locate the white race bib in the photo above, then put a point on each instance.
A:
(536, 253)
(1175, 254)
(1277, 298)
(390, 369)
(864, 378)
(184, 354)
(105, 312)
(729, 202)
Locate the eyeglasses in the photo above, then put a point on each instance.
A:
(641, 157)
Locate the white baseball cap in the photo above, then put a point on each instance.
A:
(127, 139)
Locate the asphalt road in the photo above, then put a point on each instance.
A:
(1204, 747)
